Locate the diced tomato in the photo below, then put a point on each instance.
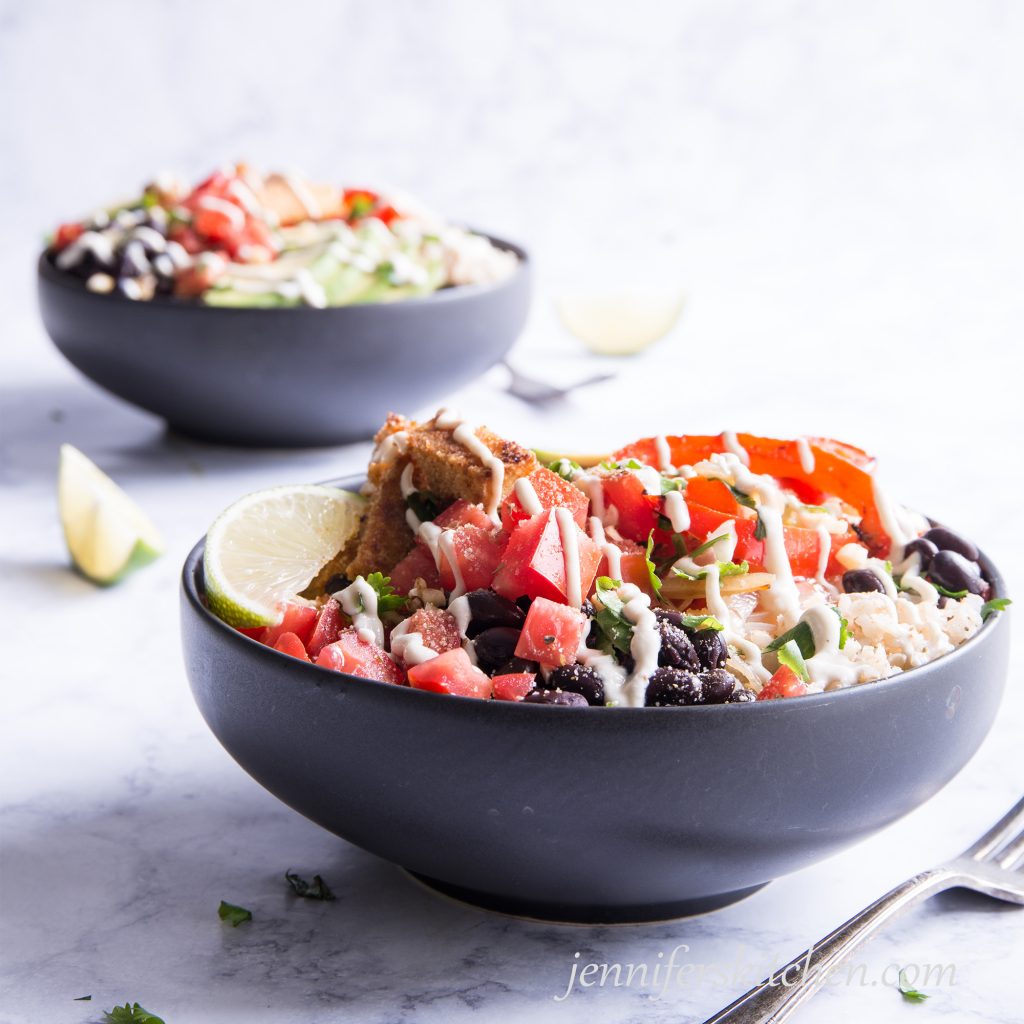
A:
(633, 569)
(254, 632)
(418, 564)
(477, 555)
(388, 214)
(513, 686)
(358, 203)
(533, 564)
(186, 238)
(215, 224)
(254, 243)
(637, 510)
(711, 494)
(552, 492)
(66, 234)
(630, 551)
(299, 619)
(328, 627)
(551, 634)
(807, 493)
(358, 657)
(438, 628)
(462, 513)
(289, 643)
(785, 683)
(451, 672)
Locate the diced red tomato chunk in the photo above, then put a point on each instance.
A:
(785, 683)
(462, 513)
(451, 672)
(477, 554)
(533, 564)
(289, 643)
(551, 634)
(418, 564)
(438, 628)
(300, 619)
(552, 492)
(636, 509)
(328, 627)
(512, 686)
(66, 234)
(358, 657)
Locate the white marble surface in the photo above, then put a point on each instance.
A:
(838, 190)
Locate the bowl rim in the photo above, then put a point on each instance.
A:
(47, 270)
(332, 678)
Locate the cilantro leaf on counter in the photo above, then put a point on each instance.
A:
(232, 914)
(82, 999)
(802, 634)
(909, 993)
(387, 599)
(789, 655)
(130, 1012)
(651, 572)
(997, 604)
(616, 630)
(315, 890)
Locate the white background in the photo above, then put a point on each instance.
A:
(838, 189)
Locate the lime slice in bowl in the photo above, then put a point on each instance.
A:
(107, 534)
(268, 547)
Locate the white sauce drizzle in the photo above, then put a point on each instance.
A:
(302, 192)
(677, 512)
(527, 496)
(732, 444)
(611, 552)
(782, 595)
(806, 455)
(409, 646)
(359, 601)
(234, 213)
(645, 645)
(664, 454)
(569, 534)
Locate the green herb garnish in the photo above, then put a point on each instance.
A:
(802, 634)
(621, 464)
(789, 654)
(672, 483)
(315, 890)
(697, 622)
(741, 496)
(565, 468)
(760, 530)
(724, 569)
(997, 604)
(232, 914)
(616, 630)
(387, 599)
(908, 992)
(709, 544)
(844, 629)
(651, 573)
(130, 1012)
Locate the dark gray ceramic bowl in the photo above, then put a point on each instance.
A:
(596, 815)
(283, 377)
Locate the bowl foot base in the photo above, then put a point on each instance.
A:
(568, 913)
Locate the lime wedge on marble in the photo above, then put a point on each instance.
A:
(268, 546)
(107, 534)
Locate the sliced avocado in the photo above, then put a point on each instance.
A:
(342, 284)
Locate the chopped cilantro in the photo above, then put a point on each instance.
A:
(621, 464)
(697, 622)
(652, 575)
(387, 599)
(672, 483)
(315, 890)
(130, 1012)
(997, 604)
(741, 496)
(953, 594)
(565, 468)
(844, 629)
(803, 636)
(789, 654)
(760, 531)
(232, 914)
(909, 993)
(665, 524)
(708, 544)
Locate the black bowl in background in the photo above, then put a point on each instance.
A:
(595, 815)
(283, 377)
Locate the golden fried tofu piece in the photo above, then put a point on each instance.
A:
(442, 468)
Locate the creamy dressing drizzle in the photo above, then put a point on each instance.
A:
(677, 512)
(611, 552)
(645, 645)
(409, 646)
(827, 665)
(568, 534)
(465, 435)
(806, 455)
(612, 674)
(664, 454)
(890, 521)
(527, 496)
(227, 209)
(359, 601)
(732, 444)
(303, 194)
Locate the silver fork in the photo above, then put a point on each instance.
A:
(987, 867)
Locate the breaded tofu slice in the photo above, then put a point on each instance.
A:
(442, 468)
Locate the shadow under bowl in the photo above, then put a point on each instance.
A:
(590, 815)
(283, 377)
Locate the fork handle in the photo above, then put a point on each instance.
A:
(780, 994)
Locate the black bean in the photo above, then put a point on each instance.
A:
(487, 609)
(924, 548)
(741, 695)
(517, 666)
(954, 572)
(559, 698)
(672, 687)
(862, 581)
(134, 262)
(669, 615)
(677, 650)
(947, 540)
(580, 679)
(495, 646)
(717, 686)
(710, 649)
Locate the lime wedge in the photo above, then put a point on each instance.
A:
(268, 546)
(620, 320)
(107, 534)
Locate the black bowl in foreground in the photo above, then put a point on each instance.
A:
(590, 815)
(283, 377)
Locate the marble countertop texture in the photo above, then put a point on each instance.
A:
(838, 192)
